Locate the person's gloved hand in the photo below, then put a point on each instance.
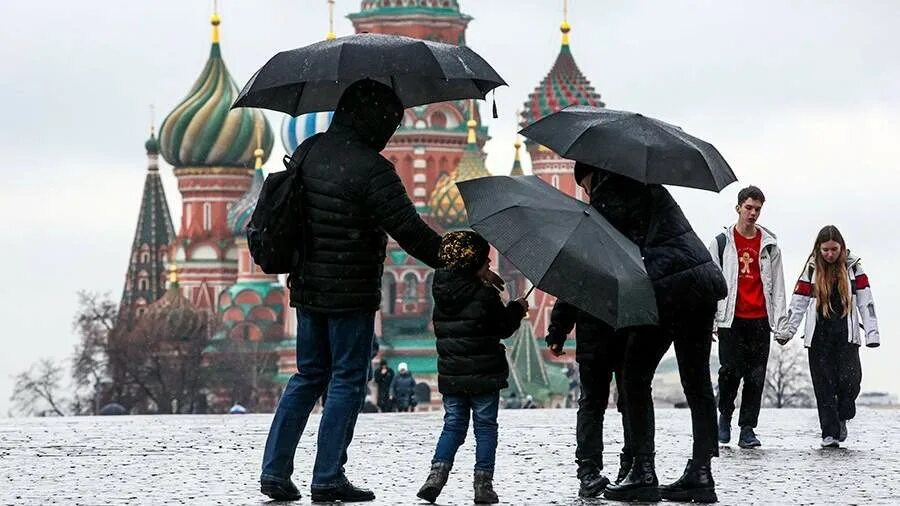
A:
(555, 343)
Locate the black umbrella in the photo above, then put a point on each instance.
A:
(113, 408)
(563, 246)
(633, 145)
(312, 78)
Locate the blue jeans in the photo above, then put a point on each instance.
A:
(333, 352)
(456, 424)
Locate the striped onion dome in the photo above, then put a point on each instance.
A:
(203, 130)
(296, 130)
(446, 204)
(239, 213)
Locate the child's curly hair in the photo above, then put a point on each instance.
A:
(463, 250)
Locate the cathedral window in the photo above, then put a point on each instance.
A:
(145, 257)
(411, 287)
(555, 181)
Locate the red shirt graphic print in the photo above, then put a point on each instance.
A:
(751, 302)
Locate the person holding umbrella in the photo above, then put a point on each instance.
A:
(350, 198)
(622, 160)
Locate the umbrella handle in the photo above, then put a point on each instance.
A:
(528, 292)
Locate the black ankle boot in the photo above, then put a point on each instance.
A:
(592, 480)
(435, 482)
(640, 484)
(625, 461)
(695, 485)
(484, 487)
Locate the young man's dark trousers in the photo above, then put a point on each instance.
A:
(743, 355)
(646, 346)
(599, 351)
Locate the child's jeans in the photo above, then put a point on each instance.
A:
(456, 424)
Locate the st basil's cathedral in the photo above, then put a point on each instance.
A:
(218, 155)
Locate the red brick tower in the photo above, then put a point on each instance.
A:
(563, 86)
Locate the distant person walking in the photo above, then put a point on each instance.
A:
(834, 296)
(403, 389)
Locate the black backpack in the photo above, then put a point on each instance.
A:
(274, 233)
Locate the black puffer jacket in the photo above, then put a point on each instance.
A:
(352, 198)
(679, 265)
(469, 322)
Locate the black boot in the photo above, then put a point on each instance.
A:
(279, 490)
(343, 493)
(640, 484)
(695, 485)
(437, 478)
(484, 487)
(748, 438)
(592, 481)
(724, 428)
(625, 461)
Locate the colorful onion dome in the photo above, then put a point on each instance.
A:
(152, 144)
(240, 212)
(203, 130)
(173, 314)
(296, 130)
(446, 204)
(563, 86)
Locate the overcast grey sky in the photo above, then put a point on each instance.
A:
(801, 97)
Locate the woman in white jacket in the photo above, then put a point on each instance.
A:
(833, 294)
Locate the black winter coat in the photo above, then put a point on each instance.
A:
(684, 276)
(469, 322)
(352, 199)
(403, 389)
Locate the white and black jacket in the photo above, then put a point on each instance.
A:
(862, 314)
(770, 270)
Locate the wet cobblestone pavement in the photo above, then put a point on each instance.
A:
(215, 459)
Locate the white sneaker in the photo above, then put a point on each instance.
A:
(830, 442)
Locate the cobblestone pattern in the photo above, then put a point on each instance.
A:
(215, 459)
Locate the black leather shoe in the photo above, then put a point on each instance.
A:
(695, 485)
(640, 484)
(343, 493)
(592, 485)
(748, 438)
(279, 490)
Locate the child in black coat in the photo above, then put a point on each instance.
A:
(469, 321)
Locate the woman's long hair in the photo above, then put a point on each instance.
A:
(828, 273)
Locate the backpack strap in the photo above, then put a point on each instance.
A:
(721, 240)
(295, 161)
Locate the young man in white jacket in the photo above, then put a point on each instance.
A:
(751, 263)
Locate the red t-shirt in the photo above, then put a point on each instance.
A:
(751, 302)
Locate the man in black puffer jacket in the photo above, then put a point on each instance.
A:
(688, 286)
(469, 322)
(352, 199)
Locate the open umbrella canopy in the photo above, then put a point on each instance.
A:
(633, 145)
(564, 246)
(313, 78)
